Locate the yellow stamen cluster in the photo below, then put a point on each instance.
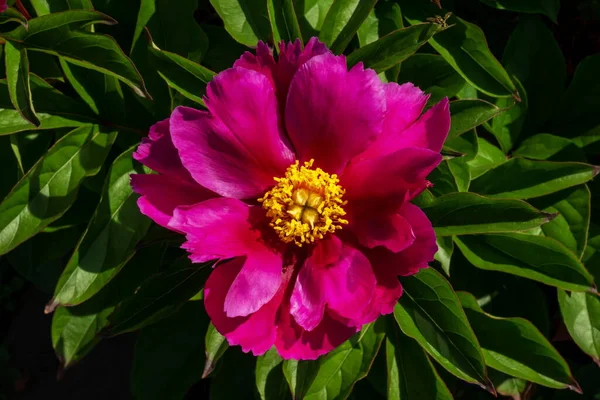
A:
(305, 205)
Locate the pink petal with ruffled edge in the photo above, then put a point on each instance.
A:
(387, 229)
(388, 178)
(262, 61)
(291, 57)
(237, 148)
(343, 280)
(332, 114)
(293, 342)
(225, 228)
(428, 132)
(161, 194)
(173, 186)
(388, 265)
(255, 332)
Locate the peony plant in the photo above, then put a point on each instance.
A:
(285, 199)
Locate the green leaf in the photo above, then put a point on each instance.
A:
(508, 125)
(411, 376)
(444, 253)
(74, 335)
(508, 386)
(339, 370)
(534, 257)
(488, 157)
(246, 21)
(159, 296)
(450, 176)
(465, 145)
(581, 315)
(546, 7)
(338, 15)
(216, 345)
(54, 109)
(578, 114)
(430, 313)
(102, 93)
(13, 15)
(270, 381)
(110, 239)
(464, 46)
(17, 77)
(173, 27)
(433, 75)
(311, 15)
(393, 48)
(516, 347)
(76, 330)
(470, 213)
(284, 22)
(185, 76)
(50, 187)
(386, 17)
(167, 355)
(44, 7)
(60, 34)
(543, 146)
(469, 114)
(572, 224)
(523, 179)
(534, 58)
(340, 41)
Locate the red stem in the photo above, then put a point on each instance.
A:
(22, 8)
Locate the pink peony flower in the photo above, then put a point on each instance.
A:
(3, 5)
(298, 180)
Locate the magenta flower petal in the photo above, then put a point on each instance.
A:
(291, 57)
(173, 186)
(3, 5)
(428, 132)
(161, 194)
(237, 148)
(388, 229)
(404, 104)
(294, 342)
(219, 229)
(343, 280)
(391, 176)
(307, 302)
(349, 285)
(424, 247)
(255, 285)
(262, 62)
(255, 332)
(332, 114)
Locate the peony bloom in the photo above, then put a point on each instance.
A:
(298, 180)
(3, 5)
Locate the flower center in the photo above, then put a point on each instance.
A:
(305, 205)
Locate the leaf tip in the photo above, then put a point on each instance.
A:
(488, 386)
(51, 306)
(550, 216)
(209, 366)
(574, 386)
(596, 170)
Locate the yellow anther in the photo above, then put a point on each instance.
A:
(305, 204)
